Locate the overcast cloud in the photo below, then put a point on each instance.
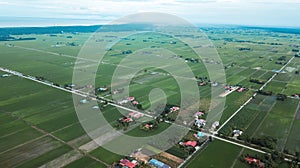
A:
(241, 12)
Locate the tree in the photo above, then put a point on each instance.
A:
(139, 106)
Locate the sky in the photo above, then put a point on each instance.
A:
(279, 13)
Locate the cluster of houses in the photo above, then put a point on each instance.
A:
(129, 99)
(128, 164)
(137, 158)
(135, 115)
(199, 121)
(229, 88)
(130, 118)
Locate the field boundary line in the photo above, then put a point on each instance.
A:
(261, 88)
(291, 125)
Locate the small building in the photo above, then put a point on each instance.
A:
(198, 114)
(130, 98)
(237, 133)
(297, 96)
(148, 126)
(84, 101)
(215, 124)
(158, 164)
(173, 109)
(135, 115)
(102, 89)
(202, 83)
(256, 161)
(123, 101)
(127, 119)
(241, 89)
(198, 135)
(215, 84)
(95, 107)
(5, 75)
(135, 102)
(200, 123)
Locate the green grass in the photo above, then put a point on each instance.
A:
(217, 155)
(278, 121)
(18, 138)
(85, 162)
(46, 157)
(69, 133)
(138, 132)
(106, 156)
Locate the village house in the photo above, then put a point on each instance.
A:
(237, 133)
(128, 164)
(215, 125)
(102, 89)
(198, 114)
(173, 109)
(200, 123)
(189, 143)
(198, 135)
(135, 115)
(256, 161)
(241, 89)
(83, 101)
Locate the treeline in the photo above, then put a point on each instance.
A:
(46, 30)
(10, 38)
(279, 30)
(70, 29)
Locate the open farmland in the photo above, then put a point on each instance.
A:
(39, 125)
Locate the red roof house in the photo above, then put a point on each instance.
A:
(127, 163)
(190, 143)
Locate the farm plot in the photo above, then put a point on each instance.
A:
(292, 143)
(233, 102)
(46, 109)
(278, 122)
(218, 154)
(250, 114)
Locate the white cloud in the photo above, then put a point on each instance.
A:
(267, 12)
